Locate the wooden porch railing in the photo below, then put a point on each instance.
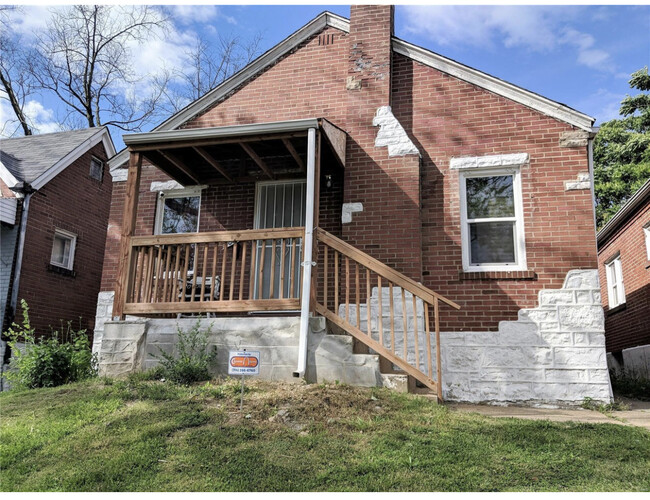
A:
(222, 271)
(347, 279)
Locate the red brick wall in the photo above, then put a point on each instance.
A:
(74, 202)
(627, 325)
(448, 118)
(411, 216)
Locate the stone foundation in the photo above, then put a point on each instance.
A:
(635, 362)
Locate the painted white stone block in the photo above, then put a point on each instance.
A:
(392, 134)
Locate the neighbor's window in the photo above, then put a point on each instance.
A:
(178, 211)
(615, 289)
(96, 169)
(63, 249)
(646, 232)
(492, 220)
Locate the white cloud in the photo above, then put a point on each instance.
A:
(602, 104)
(188, 14)
(42, 120)
(535, 28)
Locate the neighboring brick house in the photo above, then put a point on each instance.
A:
(624, 268)
(462, 184)
(56, 194)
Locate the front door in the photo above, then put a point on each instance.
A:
(279, 204)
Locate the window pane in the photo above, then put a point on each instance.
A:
(61, 251)
(181, 215)
(490, 197)
(492, 243)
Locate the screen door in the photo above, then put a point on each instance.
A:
(279, 204)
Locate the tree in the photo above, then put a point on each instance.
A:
(622, 151)
(17, 82)
(208, 67)
(84, 58)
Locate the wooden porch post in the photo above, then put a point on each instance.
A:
(128, 227)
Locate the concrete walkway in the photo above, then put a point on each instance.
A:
(638, 413)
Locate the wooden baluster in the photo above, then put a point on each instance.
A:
(166, 275)
(251, 275)
(438, 362)
(428, 339)
(224, 258)
(380, 324)
(292, 282)
(177, 261)
(368, 301)
(260, 279)
(195, 275)
(204, 271)
(139, 273)
(149, 274)
(242, 270)
(282, 249)
(325, 271)
(404, 324)
(356, 296)
(336, 282)
(233, 270)
(185, 268)
(272, 284)
(213, 275)
(347, 289)
(392, 317)
(415, 328)
(157, 274)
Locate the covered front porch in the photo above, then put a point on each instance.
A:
(269, 175)
(280, 258)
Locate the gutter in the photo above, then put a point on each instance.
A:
(28, 191)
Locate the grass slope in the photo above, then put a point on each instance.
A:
(140, 435)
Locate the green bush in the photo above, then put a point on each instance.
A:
(48, 362)
(193, 356)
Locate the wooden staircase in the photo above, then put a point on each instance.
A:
(351, 283)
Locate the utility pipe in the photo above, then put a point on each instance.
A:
(308, 245)
(19, 253)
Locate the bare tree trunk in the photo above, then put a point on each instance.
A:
(15, 105)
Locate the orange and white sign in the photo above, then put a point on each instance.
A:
(244, 363)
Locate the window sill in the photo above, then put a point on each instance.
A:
(61, 270)
(496, 275)
(617, 309)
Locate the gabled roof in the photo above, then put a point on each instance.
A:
(36, 159)
(327, 19)
(635, 201)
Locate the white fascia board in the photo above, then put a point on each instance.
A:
(220, 132)
(101, 135)
(261, 63)
(7, 177)
(497, 86)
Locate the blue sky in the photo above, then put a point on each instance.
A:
(579, 55)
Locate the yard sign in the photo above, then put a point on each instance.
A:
(244, 363)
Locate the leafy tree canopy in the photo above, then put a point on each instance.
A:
(622, 151)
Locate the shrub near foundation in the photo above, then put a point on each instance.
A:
(48, 361)
(193, 357)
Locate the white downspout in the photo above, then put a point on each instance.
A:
(307, 263)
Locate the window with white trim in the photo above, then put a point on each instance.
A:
(178, 211)
(615, 289)
(96, 169)
(63, 249)
(646, 232)
(492, 220)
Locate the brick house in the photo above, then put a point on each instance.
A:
(349, 182)
(56, 195)
(624, 268)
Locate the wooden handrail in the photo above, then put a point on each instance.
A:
(382, 269)
(357, 263)
(218, 236)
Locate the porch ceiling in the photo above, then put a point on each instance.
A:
(240, 153)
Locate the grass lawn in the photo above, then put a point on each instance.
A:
(140, 435)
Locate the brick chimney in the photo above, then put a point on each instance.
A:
(370, 59)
